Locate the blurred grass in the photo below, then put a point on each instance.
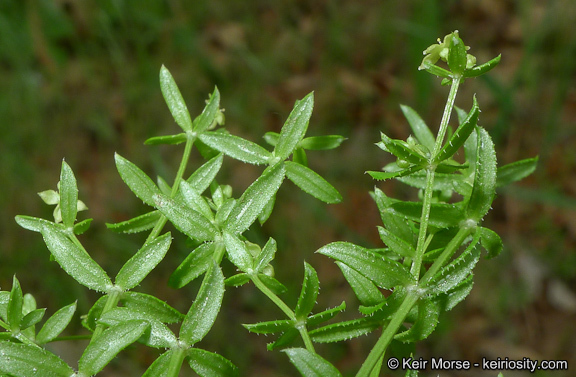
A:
(79, 80)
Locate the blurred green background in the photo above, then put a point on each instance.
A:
(79, 80)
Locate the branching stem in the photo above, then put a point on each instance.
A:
(183, 163)
(411, 298)
(380, 347)
(289, 313)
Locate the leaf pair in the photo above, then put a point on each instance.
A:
(180, 112)
(292, 133)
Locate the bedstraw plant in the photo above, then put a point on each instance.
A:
(424, 267)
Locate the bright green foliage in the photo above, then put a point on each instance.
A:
(311, 364)
(105, 347)
(144, 261)
(430, 247)
(23, 360)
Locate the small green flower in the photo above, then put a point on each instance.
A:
(441, 50)
(52, 197)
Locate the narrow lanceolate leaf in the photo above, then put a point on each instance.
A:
(195, 264)
(457, 55)
(160, 366)
(447, 301)
(325, 315)
(309, 293)
(419, 127)
(164, 187)
(138, 224)
(24, 360)
(299, 156)
(428, 313)
(392, 220)
(266, 255)
(32, 318)
(144, 261)
(209, 364)
(384, 272)
(312, 183)
(515, 171)
(89, 320)
(442, 215)
(482, 68)
(236, 147)
(295, 127)
(205, 174)
(82, 226)
(114, 339)
(68, 195)
(270, 327)
(273, 284)
(188, 221)
(384, 175)
(491, 241)
(254, 199)
(459, 137)
(364, 288)
(152, 306)
(317, 143)
(4, 298)
(436, 70)
(34, 224)
(272, 138)
(75, 260)
(342, 331)
(267, 211)
(399, 149)
(140, 184)
(195, 201)
(456, 271)
(159, 335)
(174, 100)
(170, 139)
(14, 309)
(284, 340)
(237, 280)
(56, 324)
(208, 115)
(205, 308)
(395, 243)
(484, 187)
(237, 252)
(311, 364)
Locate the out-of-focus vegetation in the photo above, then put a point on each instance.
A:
(79, 80)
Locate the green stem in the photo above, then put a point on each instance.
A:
(412, 297)
(157, 229)
(446, 116)
(450, 249)
(380, 347)
(426, 207)
(183, 163)
(111, 302)
(24, 339)
(178, 354)
(429, 191)
(272, 296)
(289, 313)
